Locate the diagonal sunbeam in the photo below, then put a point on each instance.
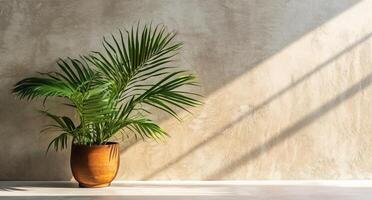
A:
(216, 134)
(293, 129)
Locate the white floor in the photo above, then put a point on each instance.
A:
(258, 190)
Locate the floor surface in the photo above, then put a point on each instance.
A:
(167, 190)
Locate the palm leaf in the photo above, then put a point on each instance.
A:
(66, 127)
(112, 89)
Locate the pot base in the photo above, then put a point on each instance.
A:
(81, 185)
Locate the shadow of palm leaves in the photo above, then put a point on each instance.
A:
(293, 129)
(216, 134)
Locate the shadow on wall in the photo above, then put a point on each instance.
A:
(293, 129)
(246, 33)
(229, 36)
(287, 132)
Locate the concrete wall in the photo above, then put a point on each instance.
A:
(286, 85)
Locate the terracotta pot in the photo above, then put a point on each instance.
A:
(95, 165)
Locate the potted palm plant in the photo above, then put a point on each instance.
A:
(112, 92)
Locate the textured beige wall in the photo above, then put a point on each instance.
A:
(286, 85)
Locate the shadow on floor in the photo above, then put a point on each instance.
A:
(22, 186)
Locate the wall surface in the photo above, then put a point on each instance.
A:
(286, 86)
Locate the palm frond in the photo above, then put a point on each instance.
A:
(65, 126)
(112, 90)
(165, 93)
(138, 57)
(145, 128)
(59, 143)
(33, 87)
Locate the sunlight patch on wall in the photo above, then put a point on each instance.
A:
(277, 93)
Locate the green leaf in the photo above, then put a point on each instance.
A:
(112, 89)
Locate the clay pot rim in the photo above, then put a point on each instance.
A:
(108, 144)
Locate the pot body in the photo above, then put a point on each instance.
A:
(95, 165)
